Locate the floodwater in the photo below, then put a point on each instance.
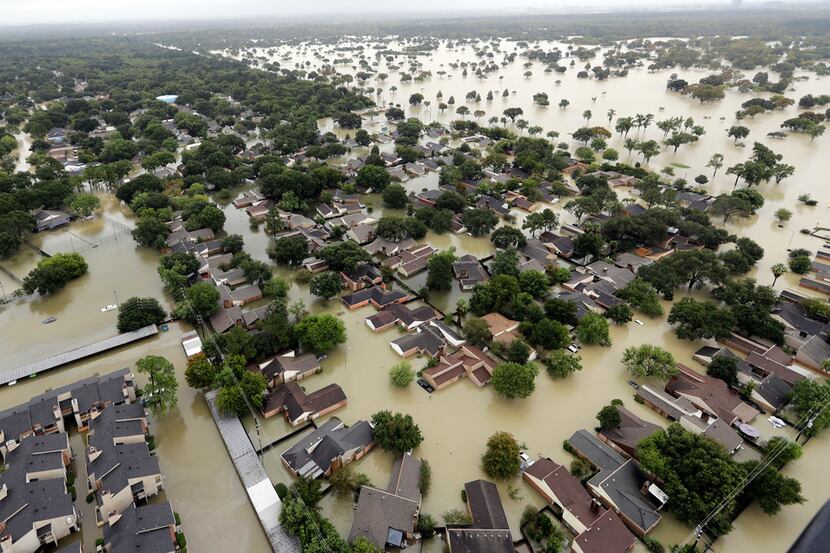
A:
(456, 422)
(557, 408)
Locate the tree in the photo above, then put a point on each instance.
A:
(501, 458)
(344, 256)
(514, 380)
(777, 270)
(201, 300)
(289, 250)
(394, 196)
(689, 267)
(593, 329)
(800, 264)
(200, 372)
(83, 204)
(560, 363)
(694, 320)
(53, 273)
(440, 275)
(808, 398)
(783, 215)
(737, 132)
(137, 313)
(396, 432)
(507, 236)
(325, 285)
(698, 475)
(477, 331)
(772, 489)
(513, 113)
(150, 231)
(320, 333)
(619, 313)
(609, 417)
(160, 391)
(479, 221)
(373, 177)
(401, 375)
(506, 262)
(547, 333)
(724, 367)
(641, 295)
(783, 449)
(416, 99)
(541, 220)
(649, 361)
(239, 388)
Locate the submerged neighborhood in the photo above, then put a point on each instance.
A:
(475, 286)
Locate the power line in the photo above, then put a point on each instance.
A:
(806, 421)
(209, 334)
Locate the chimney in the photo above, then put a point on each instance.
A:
(595, 505)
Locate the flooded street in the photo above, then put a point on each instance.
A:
(200, 480)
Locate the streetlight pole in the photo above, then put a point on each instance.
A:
(114, 293)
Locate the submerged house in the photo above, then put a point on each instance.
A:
(387, 518)
(469, 271)
(710, 395)
(468, 361)
(298, 406)
(331, 445)
(691, 418)
(401, 315)
(620, 485)
(429, 339)
(377, 295)
(597, 529)
(627, 436)
(287, 367)
(489, 531)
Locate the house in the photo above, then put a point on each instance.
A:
(495, 205)
(468, 360)
(607, 534)
(120, 469)
(258, 209)
(469, 271)
(772, 380)
(691, 418)
(597, 529)
(798, 327)
(629, 433)
(711, 395)
(48, 219)
(387, 518)
(619, 484)
(489, 531)
(46, 413)
(504, 330)
(298, 406)
(139, 529)
(631, 261)
(377, 295)
(364, 275)
(428, 339)
(362, 233)
(388, 248)
(563, 246)
(287, 367)
(813, 354)
(331, 445)
(401, 315)
(409, 261)
(36, 509)
(820, 286)
(248, 198)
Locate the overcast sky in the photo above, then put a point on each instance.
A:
(24, 12)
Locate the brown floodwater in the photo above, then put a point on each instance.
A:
(200, 480)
